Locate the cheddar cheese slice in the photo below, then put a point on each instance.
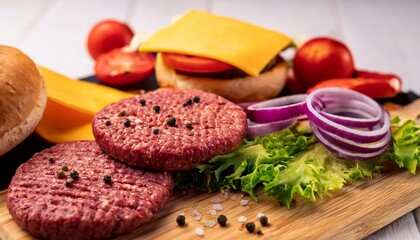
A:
(71, 106)
(243, 45)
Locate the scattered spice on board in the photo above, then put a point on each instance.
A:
(250, 226)
(180, 220)
(222, 220)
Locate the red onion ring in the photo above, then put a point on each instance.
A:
(348, 154)
(360, 114)
(350, 145)
(262, 129)
(341, 128)
(278, 109)
(348, 123)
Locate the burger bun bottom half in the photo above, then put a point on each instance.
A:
(23, 97)
(267, 85)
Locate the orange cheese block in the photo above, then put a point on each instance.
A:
(243, 45)
(71, 106)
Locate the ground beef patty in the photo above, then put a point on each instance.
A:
(169, 129)
(102, 199)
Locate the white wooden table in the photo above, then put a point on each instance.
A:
(383, 35)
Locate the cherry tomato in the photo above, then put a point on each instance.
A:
(107, 35)
(119, 68)
(320, 59)
(194, 64)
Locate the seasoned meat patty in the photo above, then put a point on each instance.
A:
(75, 191)
(169, 129)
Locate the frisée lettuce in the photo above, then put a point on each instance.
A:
(291, 162)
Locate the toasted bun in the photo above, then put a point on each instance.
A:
(243, 89)
(23, 97)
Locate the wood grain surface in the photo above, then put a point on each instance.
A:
(354, 212)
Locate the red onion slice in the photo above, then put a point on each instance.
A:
(353, 114)
(347, 154)
(348, 123)
(350, 145)
(314, 106)
(278, 109)
(262, 129)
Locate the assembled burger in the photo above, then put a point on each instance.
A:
(231, 58)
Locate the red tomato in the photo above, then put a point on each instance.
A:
(107, 35)
(194, 64)
(320, 59)
(119, 68)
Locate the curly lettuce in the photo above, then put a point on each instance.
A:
(406, 144)
(291, 162)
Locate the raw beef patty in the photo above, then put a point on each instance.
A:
(169, 129)
(75, 191)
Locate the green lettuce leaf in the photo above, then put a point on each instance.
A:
(291, 162)
(406, 144)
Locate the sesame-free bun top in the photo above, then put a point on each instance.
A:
(23, 97)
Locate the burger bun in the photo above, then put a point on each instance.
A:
(23, 97)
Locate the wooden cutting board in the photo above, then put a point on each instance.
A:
(353, 212)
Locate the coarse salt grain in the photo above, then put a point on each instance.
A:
(217, 207)
(242, 219)
(199, 231)
(213, 212)
(196, 212)
(244, 202)
(215, 200)
(197, 218)
(234, 197)
(209, 223)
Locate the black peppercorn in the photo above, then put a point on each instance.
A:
(51, 160)
(188, 102)
(156, 131)
(156, 108)
(107, 179)
(180, 220)
(250, 227)
(123, 113)
(127, 123)
(65, 168)
(107, 123)
(74, 174)
(142, 102)
(188, 125)
(264, 220)
(69, 183)
(61, 175)
(196, 99)
(171, 121)
(222, 220)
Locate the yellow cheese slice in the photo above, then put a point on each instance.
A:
(243, 45)
(80, 95)
(63, 124)
(71, 106)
